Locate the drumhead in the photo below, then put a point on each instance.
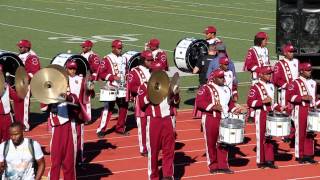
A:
(133, 59)
(232, 123)
(10, 62)
(187, 53)
(83, 65)
(279, 117)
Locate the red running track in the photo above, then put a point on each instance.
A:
(117, 157)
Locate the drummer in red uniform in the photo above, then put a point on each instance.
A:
(215, 100)
(302, 94)
(261, 99)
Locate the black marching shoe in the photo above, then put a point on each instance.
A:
(214, 171)
(301, 160)
(101, 134)
(226, 171)
(261, 165)
(309, 159)
(271, 165)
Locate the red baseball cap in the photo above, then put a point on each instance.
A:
(265, 70)
(218, 73)
(71, 64)
(155, 65)
(24, 43)
(262, 35)
(210, 29)
(224, 60)
(146, 55)
(288, 48)
(116, 44)
(305, 66)
(154, 43)
(87, 43)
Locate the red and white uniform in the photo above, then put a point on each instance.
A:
(285, 71)
(258, 92)
(229, 82)
(136, 77)
(304, 143)
(213, 41)
(77, 87)
(161, 56)
(63, 146)
(160, 133)
(21, 108)
(112, 66)
(256, 57)
(94, 62)
(208, 96)
(5, 111)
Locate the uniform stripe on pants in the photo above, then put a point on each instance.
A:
(203, 121)
(257, 120)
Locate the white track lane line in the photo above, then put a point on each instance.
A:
(309, 177)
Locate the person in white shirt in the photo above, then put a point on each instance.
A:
(17, 156)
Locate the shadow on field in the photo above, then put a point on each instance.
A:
(93, 149)
(93, 172)
(181, 160)
(38, 118)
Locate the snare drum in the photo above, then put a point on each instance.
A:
(314, 120)
(231, 131)
(187, 53)
(108, 94)
(278, 125)
(122, 93)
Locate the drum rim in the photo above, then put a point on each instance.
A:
(232, 126)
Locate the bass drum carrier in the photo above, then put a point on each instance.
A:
(187, 53)
(10, 62)
(83, 65)
(133, 58)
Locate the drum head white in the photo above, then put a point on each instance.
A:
(83, 65)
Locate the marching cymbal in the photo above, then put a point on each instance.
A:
(175, 82)
(59, 68)
(158, 87)
(21, 82)
(48, 84)
(1, 83)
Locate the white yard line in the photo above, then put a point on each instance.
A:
(221, 6)
(120, 22)
(177, 14)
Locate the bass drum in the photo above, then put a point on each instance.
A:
(83, 65)
(133, 58)
(10, 62)
(187, 53)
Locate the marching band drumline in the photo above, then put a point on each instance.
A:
(127, 77)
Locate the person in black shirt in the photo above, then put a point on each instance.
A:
(203, 64)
